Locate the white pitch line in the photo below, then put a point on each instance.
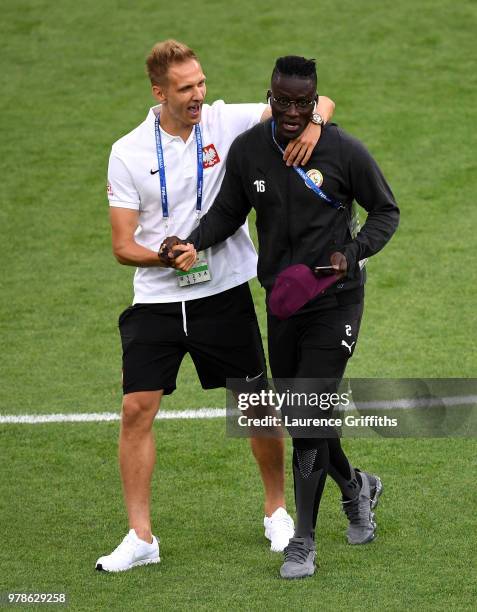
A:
(97, 417)
(215, 413)
(423, 402)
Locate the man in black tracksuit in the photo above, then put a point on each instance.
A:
(296, 224)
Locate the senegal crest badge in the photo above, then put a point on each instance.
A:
(315, 176)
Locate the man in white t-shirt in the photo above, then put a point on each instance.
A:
(162, 176)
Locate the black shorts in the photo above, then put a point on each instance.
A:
(316, 343)
(220, 332)
(308, 354)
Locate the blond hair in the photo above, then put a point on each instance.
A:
(163, 55)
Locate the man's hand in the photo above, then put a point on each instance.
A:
(166, 253)
(339, 263)
(339, 266)
(176, 253)
(299, 150)
(184, 258)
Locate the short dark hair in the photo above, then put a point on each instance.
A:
(294, 65)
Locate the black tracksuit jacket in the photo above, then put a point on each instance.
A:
(295, 225)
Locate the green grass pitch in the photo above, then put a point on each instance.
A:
(72, 81)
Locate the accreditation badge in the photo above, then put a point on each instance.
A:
(200, 273)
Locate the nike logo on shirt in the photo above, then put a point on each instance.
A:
(154, 171)
(248, 379)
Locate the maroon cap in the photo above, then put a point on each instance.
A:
(294, 287)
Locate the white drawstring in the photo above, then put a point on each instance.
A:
(184, 318)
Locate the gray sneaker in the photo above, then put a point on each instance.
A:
(362, 526)
(375, 488)
(299, 559)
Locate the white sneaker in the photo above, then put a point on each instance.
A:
(279, 528)
(130, 553)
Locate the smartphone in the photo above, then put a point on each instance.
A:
(324, 270)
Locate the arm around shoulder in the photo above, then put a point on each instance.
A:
(326, 108)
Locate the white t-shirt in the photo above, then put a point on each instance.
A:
(133, 182)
